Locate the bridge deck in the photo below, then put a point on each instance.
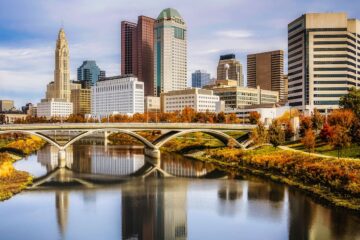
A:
(128, 126)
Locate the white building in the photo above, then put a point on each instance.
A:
(117, 95)
(170, 52)
(268, 112)
(201, 100)
(54, 108)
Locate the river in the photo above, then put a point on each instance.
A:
(112, 192)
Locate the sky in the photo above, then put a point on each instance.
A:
(28, 32)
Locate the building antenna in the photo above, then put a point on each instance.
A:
(62, 23)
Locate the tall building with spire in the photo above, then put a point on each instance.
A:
(170, 52)
(61, 87)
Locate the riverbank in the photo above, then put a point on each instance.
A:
(13, 181)
(335, 181)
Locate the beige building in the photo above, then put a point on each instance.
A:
(6, 118)
(151, 104)
(6, 105)
(81, 99)
(323, 50)
(170, 52)
(228, 64)
(266, 70)
(236, 97)
(61, 87)
(201, 100)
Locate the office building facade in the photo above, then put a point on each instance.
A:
(6, 105)
(117, 95)
(236, 97)
(323, 51)
(267, 71)
(228, 63)
(201, 100)
(200, 78)
(59, 108)
(81, 99)
(137, 51)
(170, 52)
(152, 104)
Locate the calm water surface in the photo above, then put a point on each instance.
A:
(117, 193)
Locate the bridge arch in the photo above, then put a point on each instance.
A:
(223, 137)
(138, 137)
(40, 135)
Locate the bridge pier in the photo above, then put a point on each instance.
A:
(62, 158)
(153, 153)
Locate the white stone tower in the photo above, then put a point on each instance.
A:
(62, 70)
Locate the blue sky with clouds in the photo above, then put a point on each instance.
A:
(28, 31)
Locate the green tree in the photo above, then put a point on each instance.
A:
(276, 133)
(351, 101)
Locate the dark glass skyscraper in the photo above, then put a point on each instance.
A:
(88, 73)
(137, 51)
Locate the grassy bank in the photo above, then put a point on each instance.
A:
(13, 181)
(335, 181)
(353, 151)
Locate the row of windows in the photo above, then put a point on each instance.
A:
(326, 102)
(328, 95)
(295, 85)
(333, 76)
(331, 89)
(334, 56)
(334, 82)
(334, 62)
(335, 36)
(295, 66)
(295, 91)
(295, 60)
(334, 69)
(334, 50)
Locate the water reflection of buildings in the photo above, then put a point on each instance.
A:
(114, 161)
(156, 211)
(62, 206)
(48, 157)
(93, 159)
(177, 165)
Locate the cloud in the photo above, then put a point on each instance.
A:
(234, 34)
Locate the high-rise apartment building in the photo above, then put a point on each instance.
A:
(235, 70)
(323, 51)
(170, 52)
(88, 73)
(137, 51)
(200, 78)
(267, 71)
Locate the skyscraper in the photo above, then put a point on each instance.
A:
(322, 59)
(170, 52)
(62, 68)
(267, 71)
(137, 51)
(88, 73)
(200, 78)
(60, 88)
(235, 69)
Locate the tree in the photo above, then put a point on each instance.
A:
(221, 118)
(289, 130)
(340, 138)
(309, 140)
(351, 101)
(254, 117)
(232, 118)
(259, 134)
(276, 133)
(305, 124)
(326, 132)
(317, 120)
(342, 117)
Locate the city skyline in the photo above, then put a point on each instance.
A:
(27, 41)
